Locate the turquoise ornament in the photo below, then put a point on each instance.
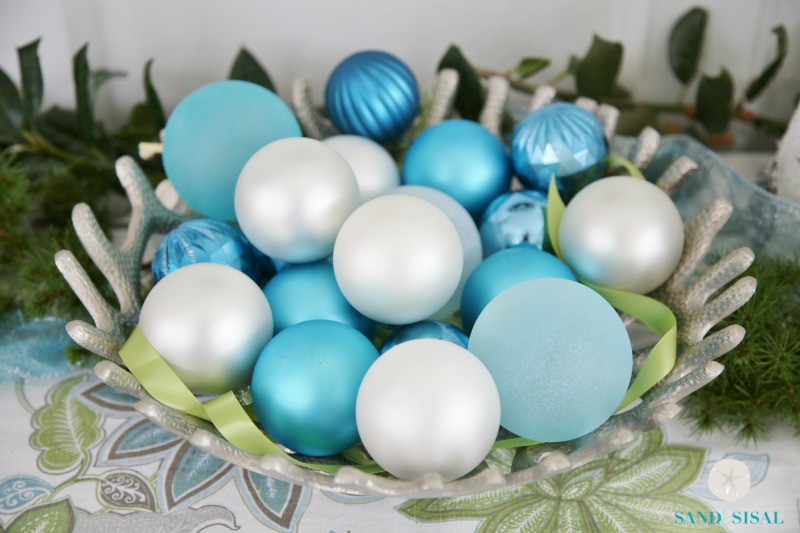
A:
(426, 329)
(559, 354)
(563, 141)
(209, 241)
(460, 158)
(305, 385)
(309, 292)
(372, 94)
(514, 218)
(213, 132)
(504, 269)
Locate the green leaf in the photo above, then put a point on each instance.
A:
(247, 68)
(153, 101)
(83, 96)
(11, 111)
(574, 64)
(597, 73)
(55, 516)
(65, 429)
(60, 126)
(100, 77)
(528, 66)
(470, 98)
(714, 101)
(686, 43)
(31, 76)
(768, 74)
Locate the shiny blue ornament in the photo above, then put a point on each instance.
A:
(305, 385)
(559, 355)
(426, 329)
(560, 140)
(209, 241)
(460, 158)
(309, 291)
(213, 132)
(372, 94)
(504, 269)
(514, 218)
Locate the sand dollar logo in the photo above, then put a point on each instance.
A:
(729, 480)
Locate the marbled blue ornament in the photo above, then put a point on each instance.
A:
(560, 140)
(213, 132)
(305, 385)
(559, 354)
(504, 269)
(206, 240)
(514, 218)
(426, 329)
(460, 158)
(309, 292)
(372, 94)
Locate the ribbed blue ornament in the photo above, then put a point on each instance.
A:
(514, 218)
(209, 241)
(372, 94)
(426, 329)
(560, 140)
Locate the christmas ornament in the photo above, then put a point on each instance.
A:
(622, 232)
(213, 132)
(426, 406)
(305, 384)
(372, 94)
(293, 196)
(500, 271)
(398, 259)
(559, 354)
(308, 292)
(426, 329)
(467, 231)
(374, 168)
(208, 241)
(514, 218)
(209, 322)
(560, 140)
(462, 159)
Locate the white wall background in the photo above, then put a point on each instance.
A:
(194, 41)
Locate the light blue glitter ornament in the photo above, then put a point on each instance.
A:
(213, 132)
(209, 241)
(305, 385)
(514, 218)
(460, 158)
(504, 269)
(372, 94)
(308, 292)
(559, 355)
(560, 140)
(426, 329)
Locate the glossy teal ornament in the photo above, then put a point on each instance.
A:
(504, 269)
(426, 329)
(460, 158)
(213, 132)
(372, 94)
(305, 385)
(560, 140)
(309, 292)
(514, 218)
(559, 354)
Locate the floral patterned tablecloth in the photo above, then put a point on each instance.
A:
(77, 456)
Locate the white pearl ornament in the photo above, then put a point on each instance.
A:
(373, 166)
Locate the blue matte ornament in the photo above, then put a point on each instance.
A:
(460, 158)
(426, 329)
(372, 94)
(559, 354)
(213, 132)
(560, 140)
(209, 241)
(309, 292)
(504, 269)
(514, 218)
(305, 385)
